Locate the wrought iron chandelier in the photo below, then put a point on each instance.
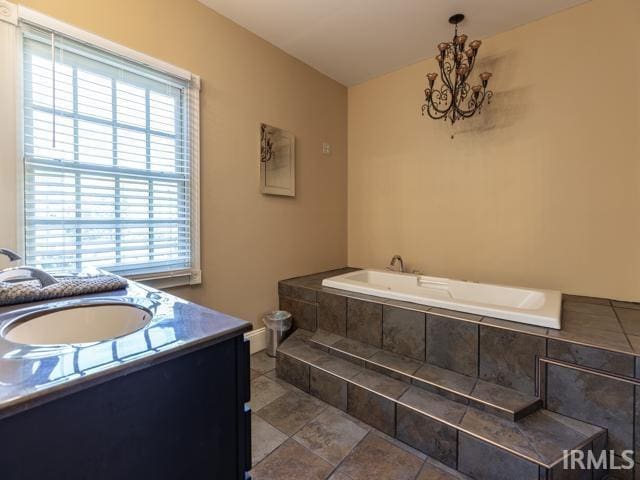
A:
(456, 99)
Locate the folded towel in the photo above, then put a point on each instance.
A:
(69, 286)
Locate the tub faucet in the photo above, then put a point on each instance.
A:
(392, 265)
(21, 274)
(10, 254)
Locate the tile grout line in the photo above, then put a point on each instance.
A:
(425, 337)
(458, 446)
(298, 300)
(636, 414)
(478, 353)
(624, 331)
(350, 451)
(346, 317)
(269, 454)
(270, 424)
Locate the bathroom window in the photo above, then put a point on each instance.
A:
(110, 161)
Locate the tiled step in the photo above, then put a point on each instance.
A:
(458, 435)
(493, 398)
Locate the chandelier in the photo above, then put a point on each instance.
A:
(456, 99)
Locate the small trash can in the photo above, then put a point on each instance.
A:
(278, 323)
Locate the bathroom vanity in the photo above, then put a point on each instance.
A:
(165, 400)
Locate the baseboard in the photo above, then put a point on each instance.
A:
(257, 339)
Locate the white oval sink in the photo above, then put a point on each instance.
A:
(77, 324)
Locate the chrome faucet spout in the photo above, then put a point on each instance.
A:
(392, 264)
(10, 254)
(18, 274)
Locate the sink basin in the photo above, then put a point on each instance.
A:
(76, 323)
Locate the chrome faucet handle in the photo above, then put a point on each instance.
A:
(10, 254)
(27, 273)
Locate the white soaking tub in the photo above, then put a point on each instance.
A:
(524, 305)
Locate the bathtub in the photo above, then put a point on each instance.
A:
(523, 305)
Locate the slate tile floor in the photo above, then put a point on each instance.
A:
(297, 437)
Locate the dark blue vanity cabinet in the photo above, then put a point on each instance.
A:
(179, 415)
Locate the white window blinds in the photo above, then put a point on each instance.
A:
(107, 161)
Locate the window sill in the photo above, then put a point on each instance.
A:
(168, 280)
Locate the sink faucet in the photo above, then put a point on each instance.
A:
(392, 264)
(10, 254)
(20, 274)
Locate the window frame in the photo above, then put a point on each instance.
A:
(161, 279)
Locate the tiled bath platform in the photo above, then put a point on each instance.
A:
(463, 388)
(594, 322)
(296, 436)
(451, 431)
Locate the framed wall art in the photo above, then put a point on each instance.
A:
(277, 161)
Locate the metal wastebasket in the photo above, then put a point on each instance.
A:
(278, 323)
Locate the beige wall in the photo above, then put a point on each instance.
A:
(541, 190)
(249, 241)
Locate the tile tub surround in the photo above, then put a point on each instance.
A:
(364, 321)
(304, 313)
(452, 344)
(455, 386)
(511, 367)
(332, 313)
(594, 399)
(371, 398)
(473, 462)
(328, 388)
(524, 305)
(404, 332)
(599, 359)
(405, 429)
(416, 429)
(594, 322)
(433, 424)
(177, 327)
(296, 373)
(597, 334)
(436, 439)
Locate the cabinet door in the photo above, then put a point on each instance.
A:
(174, 419)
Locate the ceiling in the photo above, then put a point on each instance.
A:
(354, 40)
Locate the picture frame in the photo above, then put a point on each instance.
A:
(277, 161)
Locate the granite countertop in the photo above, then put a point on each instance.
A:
(602, 323)
(30, 375)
